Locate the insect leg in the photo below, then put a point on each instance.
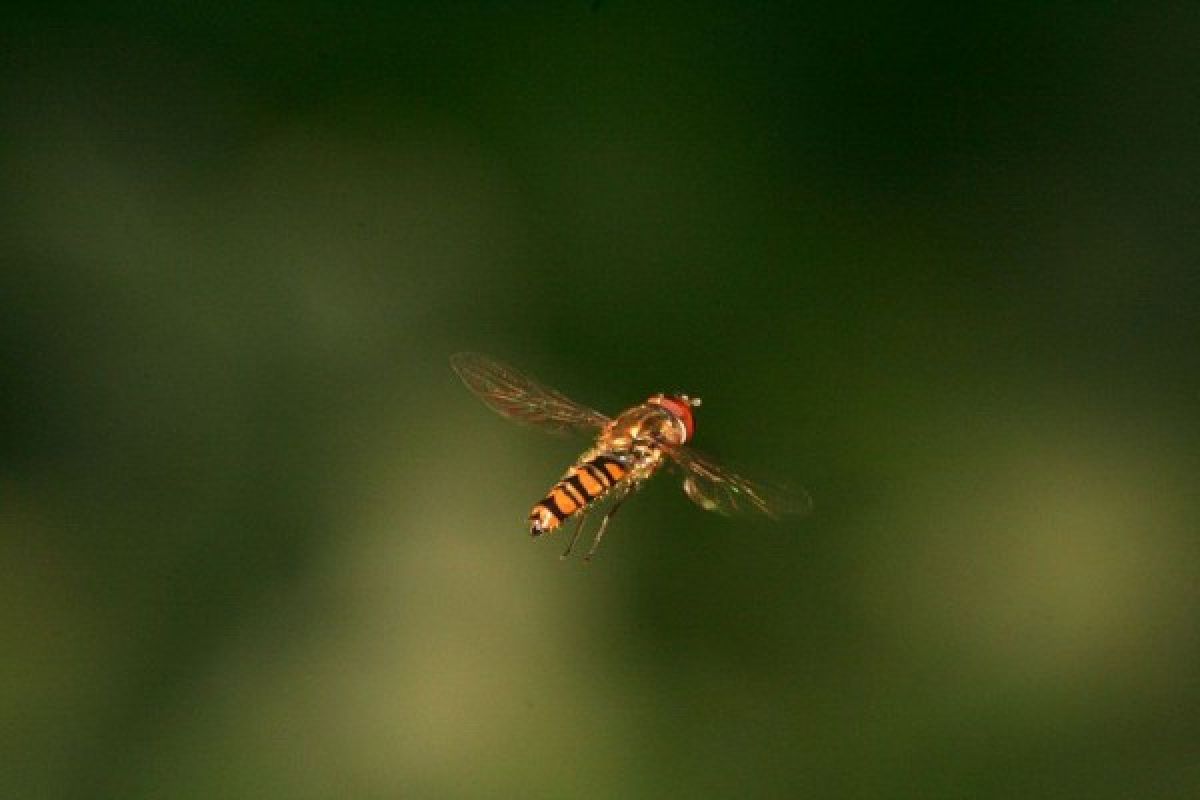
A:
(604, 522)
(574, 536)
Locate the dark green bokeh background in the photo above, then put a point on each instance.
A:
(937, 264)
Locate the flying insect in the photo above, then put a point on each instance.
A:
(628, 450)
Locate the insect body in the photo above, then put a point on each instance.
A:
(585, 483)
(628, 450)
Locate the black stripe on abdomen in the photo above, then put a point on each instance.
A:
(578, 486)
(551, 505)
(599, 476)
(613, 470)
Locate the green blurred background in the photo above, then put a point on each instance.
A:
(939, 265)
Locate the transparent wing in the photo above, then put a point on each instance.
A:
(521, 398)
(716, 488)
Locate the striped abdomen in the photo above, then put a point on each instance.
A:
(584, 484)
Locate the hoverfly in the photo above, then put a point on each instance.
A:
(627, 451)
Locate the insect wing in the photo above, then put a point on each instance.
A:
(519, 397)
(716, 488)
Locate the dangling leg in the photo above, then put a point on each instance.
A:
(604, 522)
(574, 536)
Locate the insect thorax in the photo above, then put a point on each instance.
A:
(636, 437)
(644, 426)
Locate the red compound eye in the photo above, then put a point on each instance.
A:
(681, 408)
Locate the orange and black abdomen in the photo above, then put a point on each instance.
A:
(584, 484)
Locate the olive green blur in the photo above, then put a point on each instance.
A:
(940, 265)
